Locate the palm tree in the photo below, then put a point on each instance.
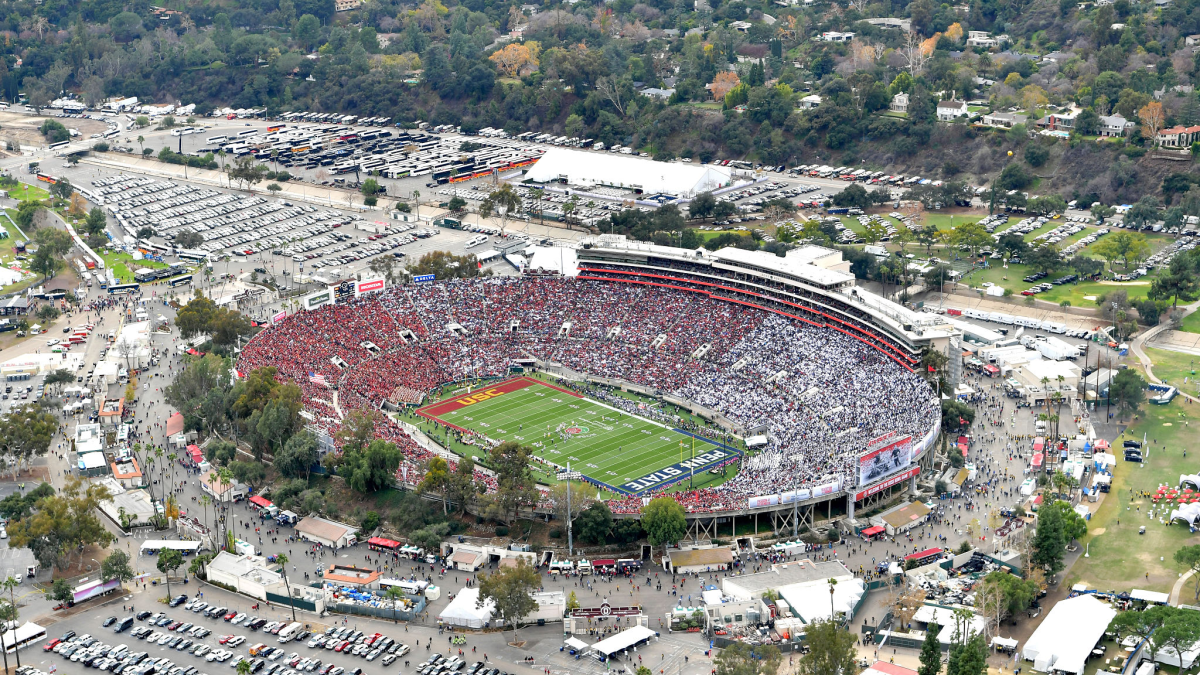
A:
(537, 194)
(394, 594)
(140, 141)
(10, 584)
(243, 667)
(204, 502)
(283, 561)
(416, 195)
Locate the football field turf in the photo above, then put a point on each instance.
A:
(611, 448)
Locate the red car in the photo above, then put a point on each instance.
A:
(224, 638)
(51, 644)
(229, 616)
(174, 624)
(342, 646)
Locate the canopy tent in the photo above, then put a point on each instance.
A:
(1150, 596)
(1004, 643)
(1188, 513)
(575, 643)
(1068, 634)
(184, 547)
(1189, 480)
(873, 530)
(711, 597)
(811, 599)
(944, 617)
(462, 611)
(627, 638)
(260, 501)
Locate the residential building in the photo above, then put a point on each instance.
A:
(1060, 121)
(809, 102)
(740, 26)
(1057, 57)
(835, 36)
(654, 92)
(1004, 120)
(1178, 137)
(346, 5)
(948, 111)
(890, 23)
(1115, 125)
(899, 103)
(1192, 40)
(981, 38)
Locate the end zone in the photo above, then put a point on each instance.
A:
(434, 411)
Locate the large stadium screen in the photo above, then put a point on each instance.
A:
(885, 456)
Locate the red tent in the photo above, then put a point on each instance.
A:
(194, 451)
(260, 502)
(872, 531)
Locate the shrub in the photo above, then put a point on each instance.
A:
(501, 530)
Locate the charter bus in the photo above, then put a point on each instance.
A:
(194, 255)
(179, 281)
(47, 178)
(120, 289)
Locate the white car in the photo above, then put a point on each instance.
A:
(201, 650)
(238, 619)
(52, 341)
(236, 641)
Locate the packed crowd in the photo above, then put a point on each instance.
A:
(821, 396)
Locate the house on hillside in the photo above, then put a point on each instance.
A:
(1115, 125)
(899, 103)
(1004, 120)
(809, 102)
(948, 111)
(1178, 137)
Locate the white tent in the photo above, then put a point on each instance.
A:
(810, 600)
(1189, 480)
(1188, 513)
(624, 640)
(944, 617)
(583, 169)
(1068, 634)
(462, 611)
(1156, 597)
(575, 643)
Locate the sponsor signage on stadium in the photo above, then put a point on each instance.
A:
(826, 489)
(368, 286)
(677, 471)
(761, 501)
(422, 278)
(278, 318)
(885, 456)
(317, 299)
(894, 480)
(794, 496)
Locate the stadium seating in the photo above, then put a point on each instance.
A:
(820, 393)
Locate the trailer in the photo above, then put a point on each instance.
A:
(1055, 349)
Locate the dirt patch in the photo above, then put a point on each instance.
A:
(1099, 531)
(24, 128)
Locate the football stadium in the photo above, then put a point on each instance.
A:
(783, 350)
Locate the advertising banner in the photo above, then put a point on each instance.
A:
(883, 485)
(885, 456)
(368, 286)
(278, 318)
(825, 490)
(318, 299)
(764, 500)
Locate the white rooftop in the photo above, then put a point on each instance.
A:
(584, 168)
(1068, 634)
(792, 265)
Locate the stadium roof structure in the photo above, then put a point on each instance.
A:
(595, 168)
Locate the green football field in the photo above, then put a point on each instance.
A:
(615, 450)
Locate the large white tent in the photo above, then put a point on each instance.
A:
(624, 640)
(1068, 634)
(944, 617)
(584, 169)
(463, 610)
(810, 600)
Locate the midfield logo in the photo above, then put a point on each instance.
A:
(479, 397)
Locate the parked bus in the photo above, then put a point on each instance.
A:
(179, 281)
(120, 289)
(193, 255)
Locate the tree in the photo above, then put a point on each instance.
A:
(169, 560)
(1179, 632)
(1128, 392)
(274, 188)
(456, 205)
(282, 559)
(116, 566)
(723, 82)
(931, 652)
(1049, 542)
(972, 235)
(395, 594)
(1180, 282)
(61, 591)
(664, 521)
(515, 486)
(445, 265)
(1142, 214)
(436, 479)
(1153, 118)
(510, 590)
(370, 187)
(968, 652)
(505, 201)
(299, 456)
(188, 239)
(1043, 258)
(246, 171)
(26, 433)
(1141, 624)
(1122, 245)
(743, 659)
(26, 212)
(595, 523)
(516, 60)
(831, 650)
(62, 189)
(1190, 556)
(372, 469)
(250, 473)
(702, 205)
(1002, 595)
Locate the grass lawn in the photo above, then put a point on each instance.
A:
(616, 450)
(945, 221)
(852, 224)
(1077, 294)
(27, 192)
(122, 264)
(1120, 558)
(1191, 323)
(1174, 367)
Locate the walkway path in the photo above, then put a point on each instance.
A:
(1140, 341)
(1173, 600)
